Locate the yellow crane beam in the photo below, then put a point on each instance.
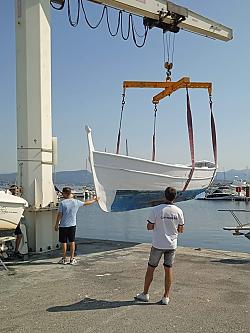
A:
(169, 86)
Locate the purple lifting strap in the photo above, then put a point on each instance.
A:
(191, 141)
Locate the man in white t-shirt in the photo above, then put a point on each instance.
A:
(166, 221)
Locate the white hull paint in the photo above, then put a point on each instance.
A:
(11, 210)
(130, 175)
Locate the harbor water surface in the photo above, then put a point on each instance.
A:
(203, 225)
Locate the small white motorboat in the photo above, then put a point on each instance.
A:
(11, 210)
(124, 183)
(238, 183)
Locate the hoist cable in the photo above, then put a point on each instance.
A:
(172, 60)
(168, 37)
(168, 52)
(164, 47)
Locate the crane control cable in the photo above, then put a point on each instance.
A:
(138, 39)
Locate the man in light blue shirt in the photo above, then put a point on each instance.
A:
(66, 223)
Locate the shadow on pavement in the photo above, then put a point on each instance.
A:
(94, 304)
(84, 246)
(233, 261)
(89, 246)
(29, 263)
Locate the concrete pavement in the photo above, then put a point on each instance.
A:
(211, 292)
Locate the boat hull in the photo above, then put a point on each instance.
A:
(126, 200)
(11, 210)
(125, 183)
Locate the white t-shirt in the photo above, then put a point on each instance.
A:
(166, 218)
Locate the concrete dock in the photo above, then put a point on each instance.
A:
(211, 292)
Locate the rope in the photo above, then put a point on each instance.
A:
(153, 147)
(120, 124)
(191, 141)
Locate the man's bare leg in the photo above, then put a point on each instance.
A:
(64, 250)
(168, 280)
(18, 241)
(148, 279)
(72, 250)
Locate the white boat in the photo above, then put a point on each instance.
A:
(219, 196)
(125, 183)
(11, 210)
(240, 228)
(238, 182)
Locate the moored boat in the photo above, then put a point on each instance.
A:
(11, 210)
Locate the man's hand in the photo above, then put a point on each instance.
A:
(180, 228)
(56, 227)
(95, 198)
(91, 201)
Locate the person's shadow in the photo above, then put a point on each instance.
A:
(94, 304)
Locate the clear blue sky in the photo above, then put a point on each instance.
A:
(88, 68)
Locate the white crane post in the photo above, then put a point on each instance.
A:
(34, 126)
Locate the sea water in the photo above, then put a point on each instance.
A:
(203, 225)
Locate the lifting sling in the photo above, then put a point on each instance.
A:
(191, 141)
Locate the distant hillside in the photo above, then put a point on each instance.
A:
(77, 177)
(8, 177)
(84, 177)
(230, 175)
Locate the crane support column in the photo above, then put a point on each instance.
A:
(34, 125)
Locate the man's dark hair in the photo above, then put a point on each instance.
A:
(170, 193)
(13, 189)
(66, 190)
